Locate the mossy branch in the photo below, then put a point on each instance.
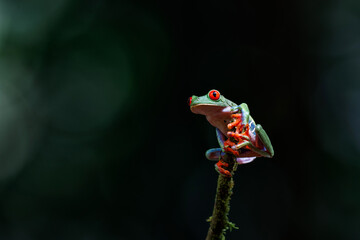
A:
(219, 221)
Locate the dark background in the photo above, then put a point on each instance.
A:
(97, 140)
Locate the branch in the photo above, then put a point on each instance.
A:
(219, 221)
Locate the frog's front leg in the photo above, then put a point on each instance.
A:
(242, 139)
(227, 145)
(239, 135)
(243, 109)
(236, 122)
(224, 144)
(241, 122)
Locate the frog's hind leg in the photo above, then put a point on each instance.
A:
(265, 140)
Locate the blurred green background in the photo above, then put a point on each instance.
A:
(97, 140)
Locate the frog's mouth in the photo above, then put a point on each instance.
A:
(208, 109)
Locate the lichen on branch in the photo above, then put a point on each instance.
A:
(219, 221)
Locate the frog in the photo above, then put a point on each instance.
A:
(236, 131)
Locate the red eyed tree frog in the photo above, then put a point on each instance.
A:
(236, 130)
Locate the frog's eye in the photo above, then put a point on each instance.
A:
(189, 100)
(214, 95)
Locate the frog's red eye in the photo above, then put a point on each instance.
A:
(189, 100)
(214, 95)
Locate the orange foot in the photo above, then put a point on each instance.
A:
(236, 122)
(240, 136)
(219, 167)
(228, 144)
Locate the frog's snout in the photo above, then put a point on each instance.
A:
(191, 99)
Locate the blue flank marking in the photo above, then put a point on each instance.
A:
(252, 126)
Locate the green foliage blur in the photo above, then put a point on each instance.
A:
(97, 141)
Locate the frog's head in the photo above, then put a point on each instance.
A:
(215, 107)
(213, 102)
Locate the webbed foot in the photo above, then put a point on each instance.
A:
(236, 122)
(228, 148)
(239, 136)
(219, 168)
